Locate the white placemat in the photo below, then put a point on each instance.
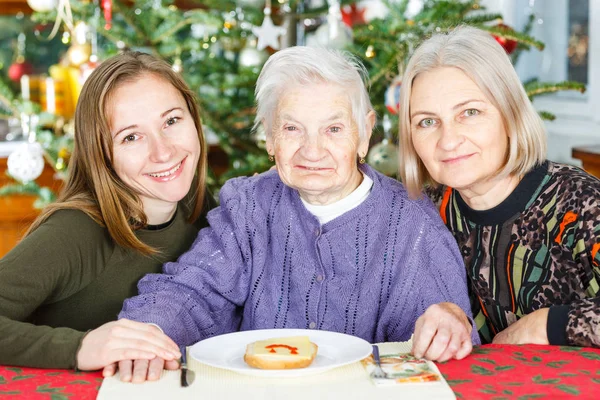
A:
(348, 382)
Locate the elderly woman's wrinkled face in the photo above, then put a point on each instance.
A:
(315, 142)
(456, 130)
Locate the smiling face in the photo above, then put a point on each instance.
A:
(315, 142)
(155, 143)
(456, 130)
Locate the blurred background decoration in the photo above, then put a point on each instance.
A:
(219, 46)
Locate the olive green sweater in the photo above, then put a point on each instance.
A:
(69, 277)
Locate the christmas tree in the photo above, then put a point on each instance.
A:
(219, 46)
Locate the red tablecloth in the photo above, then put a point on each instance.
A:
(490, 372)
(525, 372)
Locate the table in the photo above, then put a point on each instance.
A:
(490, 372)
(590, 158)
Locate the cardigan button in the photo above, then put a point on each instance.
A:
(319, 278)
(312, 325)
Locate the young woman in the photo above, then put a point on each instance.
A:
(133, 201)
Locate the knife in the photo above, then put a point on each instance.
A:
(187, 375)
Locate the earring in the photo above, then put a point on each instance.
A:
(271, 157)
(361, 160)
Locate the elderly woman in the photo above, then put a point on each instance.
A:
(528, 229)
(324, 242)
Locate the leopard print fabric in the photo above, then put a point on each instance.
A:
(544, 254)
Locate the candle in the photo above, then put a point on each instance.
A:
(50, 96)
(25, 87)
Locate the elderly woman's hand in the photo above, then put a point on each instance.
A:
(442, 332)
(529, 329)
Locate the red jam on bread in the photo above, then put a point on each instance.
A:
(281, 353)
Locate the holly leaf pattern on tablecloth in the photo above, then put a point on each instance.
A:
(22, 377)
(540, 380)
(9, 392)
(557, 364)
(2, 380)
(79, 382)
(590, 356)
(58, 396)
(483, 350)
(567, 374)
(47, 389)
(570, 349)
(479, 370)
(568, 389)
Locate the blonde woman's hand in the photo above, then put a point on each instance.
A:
(124, 340)
(529, 329)
(442, 332)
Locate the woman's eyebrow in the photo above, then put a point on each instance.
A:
(463, 103)
(168, 111)
(124, 129)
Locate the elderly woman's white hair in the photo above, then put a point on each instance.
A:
(302, 65)
(482, 59)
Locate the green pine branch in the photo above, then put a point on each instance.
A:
(511, 34)
(481, 19)
(8, 109)
(547, 115)
(536, 88)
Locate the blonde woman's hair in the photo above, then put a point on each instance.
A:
(477, 54)
(93, 186)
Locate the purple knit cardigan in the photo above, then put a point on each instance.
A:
(266, 262)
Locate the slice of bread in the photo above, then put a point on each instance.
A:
(281, 353)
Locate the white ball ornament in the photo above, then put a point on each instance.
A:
(251, 57)
(336, 36)
(26, 163)
(42, 5)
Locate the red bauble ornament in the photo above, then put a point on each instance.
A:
(18, 69)
(508, 45)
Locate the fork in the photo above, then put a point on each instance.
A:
(187, 375)
(378, 372)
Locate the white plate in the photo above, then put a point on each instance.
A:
(227, 351)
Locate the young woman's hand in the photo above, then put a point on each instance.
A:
(124, 340)
(138, 371)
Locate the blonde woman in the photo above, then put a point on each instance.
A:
(528, 229)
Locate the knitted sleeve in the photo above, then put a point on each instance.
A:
(202, 293)
(439, 272)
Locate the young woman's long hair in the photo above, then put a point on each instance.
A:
(93, 185)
